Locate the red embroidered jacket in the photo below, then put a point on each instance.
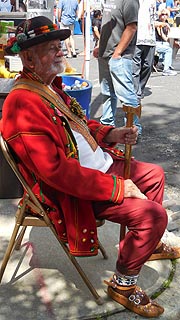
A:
(41, 142)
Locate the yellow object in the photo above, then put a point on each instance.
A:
(68, 68)
(84, 84)
(4, 73)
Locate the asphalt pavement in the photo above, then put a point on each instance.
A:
(40, 283)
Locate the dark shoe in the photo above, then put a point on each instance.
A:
(165, 252)
(136, 300)
(160, 67)
(74, 55)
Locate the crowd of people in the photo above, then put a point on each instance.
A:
(56, 146)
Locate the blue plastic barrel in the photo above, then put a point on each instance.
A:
(83, 96)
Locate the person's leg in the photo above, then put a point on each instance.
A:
(146, 221)
(146, 68)
(148, 177)
(138, 215)
(167, 57)
(108, 94)
(67, 41)
(164, 48)
(121, 73)
(71, 41)
(142, 66)
(150, 180)
(68, 47)
(82, 23)
(137, 70)
(175, 45)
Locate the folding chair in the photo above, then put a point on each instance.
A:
(23, 219)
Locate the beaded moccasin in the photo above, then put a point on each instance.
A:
(165, 252)
(137, 301)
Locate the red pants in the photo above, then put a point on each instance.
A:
(146, 220)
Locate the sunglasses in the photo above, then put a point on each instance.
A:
(164, 14)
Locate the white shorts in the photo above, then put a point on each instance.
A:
(70, 27)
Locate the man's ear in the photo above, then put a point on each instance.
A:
(29, 55)
(28, 58)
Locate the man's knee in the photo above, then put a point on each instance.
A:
(158, 216)
(152, 215)
(158, 172)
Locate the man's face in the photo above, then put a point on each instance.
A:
(47, 59)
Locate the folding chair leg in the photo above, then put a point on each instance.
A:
(103, 251)
(90, 286)
(9, 250)
(20, 238)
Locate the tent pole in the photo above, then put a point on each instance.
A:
(87, 38)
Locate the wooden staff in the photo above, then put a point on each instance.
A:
(130, 111)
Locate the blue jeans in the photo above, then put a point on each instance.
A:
(117, 83)
(165, 49)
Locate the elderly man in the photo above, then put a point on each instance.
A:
(72, 166)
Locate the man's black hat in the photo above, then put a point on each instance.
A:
(34, 31)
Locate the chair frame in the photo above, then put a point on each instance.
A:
(23, 219)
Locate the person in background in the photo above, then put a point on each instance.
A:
(96, 26)
(5, 5)
(56, 146)
(67, 13)
(143, 58)
(162, 5)
(22, 6)
(163, 47)
(170, 5)
(143, 62)
(158, 3)
(82, 16)
(55, 18)
(115, 54)
(82, 21)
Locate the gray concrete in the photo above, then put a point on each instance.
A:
(40, 283)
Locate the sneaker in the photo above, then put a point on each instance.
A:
(68, 56)
(169, 73)
(159, 67)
